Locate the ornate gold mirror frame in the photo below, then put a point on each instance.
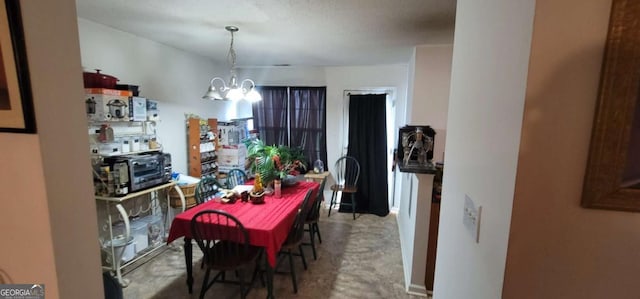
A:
(609, 152)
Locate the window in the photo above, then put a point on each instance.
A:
(293, 116)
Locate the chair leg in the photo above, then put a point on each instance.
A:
(257, 270)
(353, 205)
(240, 275)
(333, 198)
(293, 272)
(313, 243)
(205, 283)
(304, 260)
(317, 230)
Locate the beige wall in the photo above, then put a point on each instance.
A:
(48, 219)
(488, 81)
(556, 248)
(430, 92)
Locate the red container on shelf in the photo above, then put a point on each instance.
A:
(99, 80)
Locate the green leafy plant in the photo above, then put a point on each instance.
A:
(273, 162)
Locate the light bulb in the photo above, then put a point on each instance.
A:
(253, 96)
(235, 94)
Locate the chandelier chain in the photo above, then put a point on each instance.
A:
(234, 91)
(232, 56)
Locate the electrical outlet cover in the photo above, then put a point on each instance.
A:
(471, 218)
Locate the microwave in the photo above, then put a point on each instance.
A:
(144, 170)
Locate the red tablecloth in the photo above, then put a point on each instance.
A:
(268, 224)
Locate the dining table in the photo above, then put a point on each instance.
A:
(268, 223)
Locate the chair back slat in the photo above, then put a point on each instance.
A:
(314, 213)
(207, 189)
(297, 230)
(347, 171)
(235, 177)
(220, 236)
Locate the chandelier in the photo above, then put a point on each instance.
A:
(220, 90)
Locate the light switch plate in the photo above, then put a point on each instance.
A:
(471, 218)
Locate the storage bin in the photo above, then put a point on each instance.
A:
(140, 236)
(118, 236)
(155, 229)
(189, 192)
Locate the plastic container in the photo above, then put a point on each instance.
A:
(318, 166)
(118, 239)
(126, 147)
(135, 144)
(155, 229)
(140, 236)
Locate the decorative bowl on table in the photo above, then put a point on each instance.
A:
(290, 180)
(229, 196)
(256, 198)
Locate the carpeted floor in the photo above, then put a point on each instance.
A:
(357, 259)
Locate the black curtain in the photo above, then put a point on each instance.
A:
(368, 144)
(270, 115)
(308, 122)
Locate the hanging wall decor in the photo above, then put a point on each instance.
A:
(16, 105)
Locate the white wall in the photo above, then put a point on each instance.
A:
(430, 93)
(337, 80)
(340, 79)
(413, 228)
(175, 78)
(285, 76)
(488, 81)
(48, 217)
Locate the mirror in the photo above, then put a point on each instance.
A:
(612, 178)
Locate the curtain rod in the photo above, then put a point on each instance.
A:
(365, 91)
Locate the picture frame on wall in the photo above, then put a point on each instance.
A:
(16, 103)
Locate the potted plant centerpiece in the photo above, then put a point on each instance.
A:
(272, 162)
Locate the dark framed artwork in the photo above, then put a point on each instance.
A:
(16, 104)
(612, 177)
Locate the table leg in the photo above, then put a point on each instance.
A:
(270, 282)
(188, 256)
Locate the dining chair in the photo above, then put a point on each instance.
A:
(313, 217)
(224, 242)
(235, 177)
(207, 189)
(294, 239)
(346, 173)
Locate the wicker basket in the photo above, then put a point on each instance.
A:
(189, 196)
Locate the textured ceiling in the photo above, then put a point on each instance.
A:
(290, 32)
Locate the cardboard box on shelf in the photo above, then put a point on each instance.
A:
(107, 104)
(232, 155)
(152, 110)
(137, 109)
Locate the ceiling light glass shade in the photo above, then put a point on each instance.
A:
(232, 91)
(253, 96)
(215, 92)
(235, 94)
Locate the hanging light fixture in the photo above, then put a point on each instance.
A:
(233, 91)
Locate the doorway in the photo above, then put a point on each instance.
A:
(381, 130)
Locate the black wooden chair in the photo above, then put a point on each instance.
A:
(347, 172)
(313, 217)
(294, 239)
(235, 177)
(225, 244)
(207, 189)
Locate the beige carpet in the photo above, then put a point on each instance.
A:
(357, 259)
